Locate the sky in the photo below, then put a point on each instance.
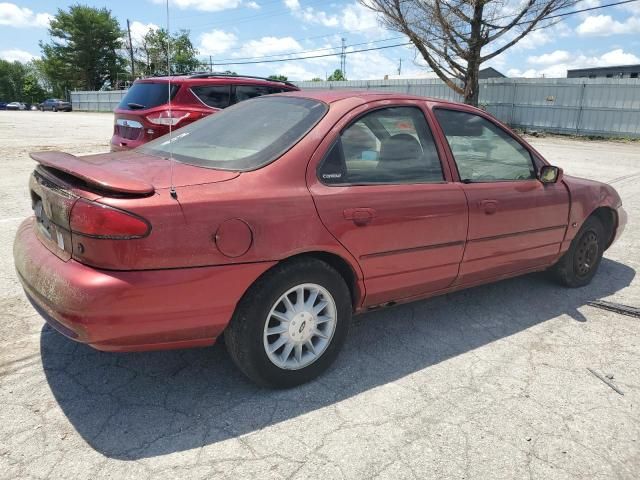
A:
(234, 30)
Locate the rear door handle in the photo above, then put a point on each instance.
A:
(489, 206)
(359, 216)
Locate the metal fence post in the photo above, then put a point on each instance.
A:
(513, 102)
(580, 107)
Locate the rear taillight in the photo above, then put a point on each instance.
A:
(100, 221)
(168, 117)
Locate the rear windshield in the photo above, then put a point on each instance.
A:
(147, 95)
(243, 137)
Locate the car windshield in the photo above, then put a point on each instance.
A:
(243, 137)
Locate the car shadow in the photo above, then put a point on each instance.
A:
(140, 405)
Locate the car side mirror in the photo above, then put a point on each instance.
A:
(550, 174)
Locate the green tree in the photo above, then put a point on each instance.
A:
(85, 49)
(52, 87)
(317, 79)
(19, 82)
(336, 76)
(279, 78)
(152, 53)
(32, 91)
(11, 79)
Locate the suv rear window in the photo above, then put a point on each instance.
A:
(147, 95)
(243, 137)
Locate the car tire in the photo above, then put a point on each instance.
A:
(281, 307)
(54, 109)
(579, 264)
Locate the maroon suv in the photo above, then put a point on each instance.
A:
(145, 112)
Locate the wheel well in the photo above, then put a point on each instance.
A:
(608, 218)
(341, 265)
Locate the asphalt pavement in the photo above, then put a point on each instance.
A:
(509, 380)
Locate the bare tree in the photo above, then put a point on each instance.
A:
(456, 36)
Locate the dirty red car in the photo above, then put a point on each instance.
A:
(278, 218)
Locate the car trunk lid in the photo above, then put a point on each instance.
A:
(128, 173)
(94, 174)
(61, 179)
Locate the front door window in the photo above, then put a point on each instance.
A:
(483, 152)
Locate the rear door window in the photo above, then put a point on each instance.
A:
(216, 96)
(147, 95)
(387, 146)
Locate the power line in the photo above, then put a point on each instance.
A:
(317, 56)
(582, 10)
(324, 49)
(395, 38)
(342, 53)
(566, 14)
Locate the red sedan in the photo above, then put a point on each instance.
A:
(276, 219)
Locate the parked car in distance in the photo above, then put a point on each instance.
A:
(55, 105)
(3, 105)
(152, 105)
(16, 106)
(278, 218)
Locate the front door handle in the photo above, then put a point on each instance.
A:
(359, 216)
(489, 206)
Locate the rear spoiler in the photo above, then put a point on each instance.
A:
(94, 175)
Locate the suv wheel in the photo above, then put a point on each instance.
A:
(291, 324)
(54, 109)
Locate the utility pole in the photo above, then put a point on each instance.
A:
(210, 64)
(343, 59)
(133, 68)
(400, 68)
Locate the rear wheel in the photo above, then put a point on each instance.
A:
(54, 109)
(579, 264)
(291, 324)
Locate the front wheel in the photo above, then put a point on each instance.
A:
(54, 109)
(579, 264)
(291, 324)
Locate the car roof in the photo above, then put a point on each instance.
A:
(331, 96)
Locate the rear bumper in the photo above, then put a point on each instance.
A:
(133, 310)
(121, 144)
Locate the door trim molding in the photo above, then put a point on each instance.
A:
(411, 249)
(525, 232)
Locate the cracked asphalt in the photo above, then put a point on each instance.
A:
(487, 383)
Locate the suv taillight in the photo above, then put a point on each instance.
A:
(100, 221)
(168, 117)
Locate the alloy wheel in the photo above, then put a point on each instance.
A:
(300, 326)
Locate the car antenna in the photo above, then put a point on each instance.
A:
(172, 188)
